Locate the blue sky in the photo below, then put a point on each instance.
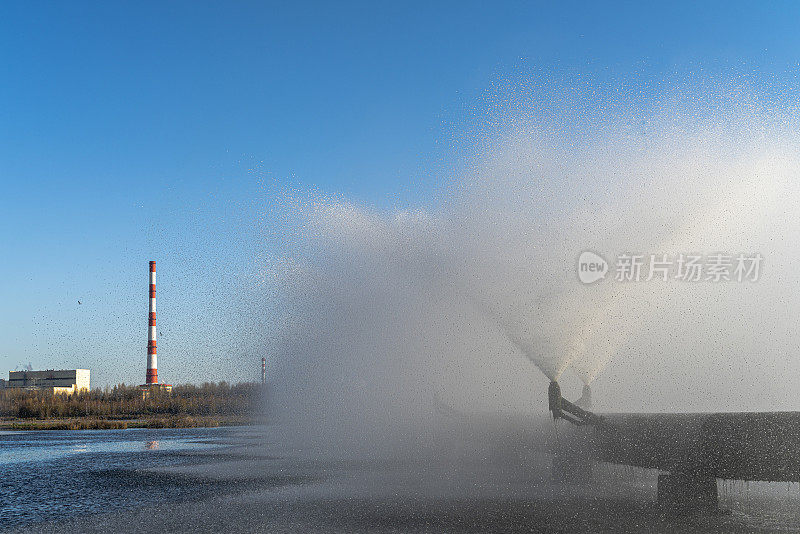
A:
(132, 131)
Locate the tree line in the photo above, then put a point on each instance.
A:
(127, 402)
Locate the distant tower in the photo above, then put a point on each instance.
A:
(263, 370)
(152, 367)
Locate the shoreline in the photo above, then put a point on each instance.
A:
(94, 423)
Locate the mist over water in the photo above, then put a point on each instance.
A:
(472, 302)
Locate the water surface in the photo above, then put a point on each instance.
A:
(63, 474)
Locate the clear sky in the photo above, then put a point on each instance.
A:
(132, 131)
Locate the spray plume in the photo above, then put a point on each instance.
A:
(387, 311)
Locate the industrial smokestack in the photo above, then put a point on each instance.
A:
(152, 367)
(263, 370)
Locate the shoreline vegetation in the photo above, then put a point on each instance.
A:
(121, 407)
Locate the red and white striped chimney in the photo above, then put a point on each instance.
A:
(152, 368)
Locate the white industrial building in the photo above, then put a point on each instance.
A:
(58, 381)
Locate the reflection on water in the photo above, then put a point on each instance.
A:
(48, 445)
